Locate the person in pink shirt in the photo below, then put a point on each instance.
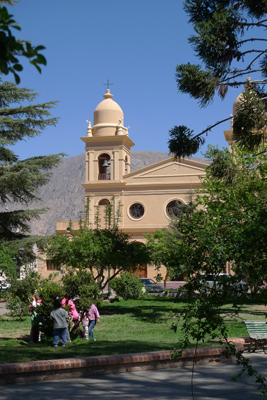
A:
(72, 310)
(94, 317)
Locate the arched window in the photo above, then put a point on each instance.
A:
(104, 167)
(103, 202)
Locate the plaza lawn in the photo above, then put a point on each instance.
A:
(126, 327)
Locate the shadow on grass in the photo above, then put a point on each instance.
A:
(259, 313)
(147, 310)
(23, 352)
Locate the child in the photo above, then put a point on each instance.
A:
(85, 325)
(94, 317)
(67, 301)
(36, 320)
(60, 317)
(36, 327)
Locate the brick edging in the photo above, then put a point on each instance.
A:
(81, 367)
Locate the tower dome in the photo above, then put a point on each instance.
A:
(240, 97)
(107, 117)
(237, 103)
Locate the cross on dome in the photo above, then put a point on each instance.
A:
(107, 84)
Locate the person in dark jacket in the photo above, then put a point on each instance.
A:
(60, 317)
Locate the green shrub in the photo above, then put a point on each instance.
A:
(127, 286)
(18, 308)
(19, 296)
(48, 293)
(82, 288)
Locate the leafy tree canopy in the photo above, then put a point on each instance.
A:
(230, 42)
(164, 245)
(97, 250)
(228, 221)
(11, 49)
(81, 286)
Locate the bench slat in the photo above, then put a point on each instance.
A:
(257, 331)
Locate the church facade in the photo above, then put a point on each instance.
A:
(146, 198)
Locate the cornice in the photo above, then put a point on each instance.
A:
(108, 139)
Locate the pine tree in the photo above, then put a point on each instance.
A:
(20, 119)
(230, 43)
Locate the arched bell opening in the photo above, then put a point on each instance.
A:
(104, 167)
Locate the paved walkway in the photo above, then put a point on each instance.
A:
(210, 382)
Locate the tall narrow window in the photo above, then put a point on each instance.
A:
(51, 266)
(104, 167)
(126, 164)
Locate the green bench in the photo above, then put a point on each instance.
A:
(257, 331)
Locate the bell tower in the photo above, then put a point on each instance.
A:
(107, 154)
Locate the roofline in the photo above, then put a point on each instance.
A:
(173, 159)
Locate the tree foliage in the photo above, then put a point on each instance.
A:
(11, 49)
(7, 267)
(97, 250)
(182, 134)
(164, 244)
(48, 291)
(20, 180)
(19, 296)
(249, 124)
(229, 41)
(128, 286)
(227, 224)
(81, 286)
(228, 221)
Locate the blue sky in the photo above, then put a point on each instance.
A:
(136, 44)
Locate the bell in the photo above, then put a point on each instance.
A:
(105, 163)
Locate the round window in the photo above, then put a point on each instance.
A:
(137, 210)
(172, 209)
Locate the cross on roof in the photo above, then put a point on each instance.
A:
(107, 84)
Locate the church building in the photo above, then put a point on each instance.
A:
(146, 198)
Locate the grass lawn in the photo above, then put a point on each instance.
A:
(125, 327)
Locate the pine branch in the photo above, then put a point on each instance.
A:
(240, 73)
(211, 127)
(260, 24)
(251, 40)
(262, 161)
(251, 51)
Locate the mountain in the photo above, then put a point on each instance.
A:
(63, 195)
